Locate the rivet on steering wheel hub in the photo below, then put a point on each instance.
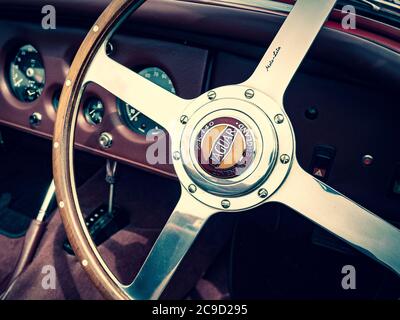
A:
(212, 95)
(225, 204)
(192, 188)
(285, 159)
(249, 93)
(184, 119)
(263, 193)
(177, 155)
(279, 118)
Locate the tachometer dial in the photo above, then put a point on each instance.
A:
(27, 74)
(133, 118)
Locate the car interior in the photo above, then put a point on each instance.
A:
(100, 111)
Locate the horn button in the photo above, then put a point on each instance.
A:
(230, 147)
(225, 147)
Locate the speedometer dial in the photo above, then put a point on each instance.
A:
(27, 74)
(133, 118)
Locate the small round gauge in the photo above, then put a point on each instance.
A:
(55, 100)
(93, 110)
(27, 74)
(133, 118)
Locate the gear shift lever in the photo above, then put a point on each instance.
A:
(111, 168)
(107, 219)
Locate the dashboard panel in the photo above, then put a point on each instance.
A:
(163, 62)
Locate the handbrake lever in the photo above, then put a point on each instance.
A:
(32, 239)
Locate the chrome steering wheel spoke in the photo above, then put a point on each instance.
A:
(341, 216)
(289, 47)
(175, 240)
(155, 102)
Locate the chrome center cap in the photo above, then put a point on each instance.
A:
(224, 150)
(229, 146)
(225, 147)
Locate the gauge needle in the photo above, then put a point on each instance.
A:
(18, 83)
(137, 114)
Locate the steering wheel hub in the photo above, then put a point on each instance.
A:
(230, 146)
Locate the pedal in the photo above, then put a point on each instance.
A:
(102, 225)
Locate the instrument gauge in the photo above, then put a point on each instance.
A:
(132, 116)
(93, 110)
(27, 74)
(55, 100)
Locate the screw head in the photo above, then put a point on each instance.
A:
(285, 158)
(105, 140)
(192, 188)
(249, 94)
(177, 155)
(35, 119)
(184, 119)
(225, 204)
(262, 193)
(279, 118)
(212, 95)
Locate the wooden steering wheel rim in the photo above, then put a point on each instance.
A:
(63, 142)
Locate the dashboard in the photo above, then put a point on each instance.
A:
(33, 71)
(27, 78)
(191, 48)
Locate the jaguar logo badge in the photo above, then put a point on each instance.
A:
(225, 148)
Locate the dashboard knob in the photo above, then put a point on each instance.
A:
(35, 119)
(105, 140)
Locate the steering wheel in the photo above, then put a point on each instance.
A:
(233, 149)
